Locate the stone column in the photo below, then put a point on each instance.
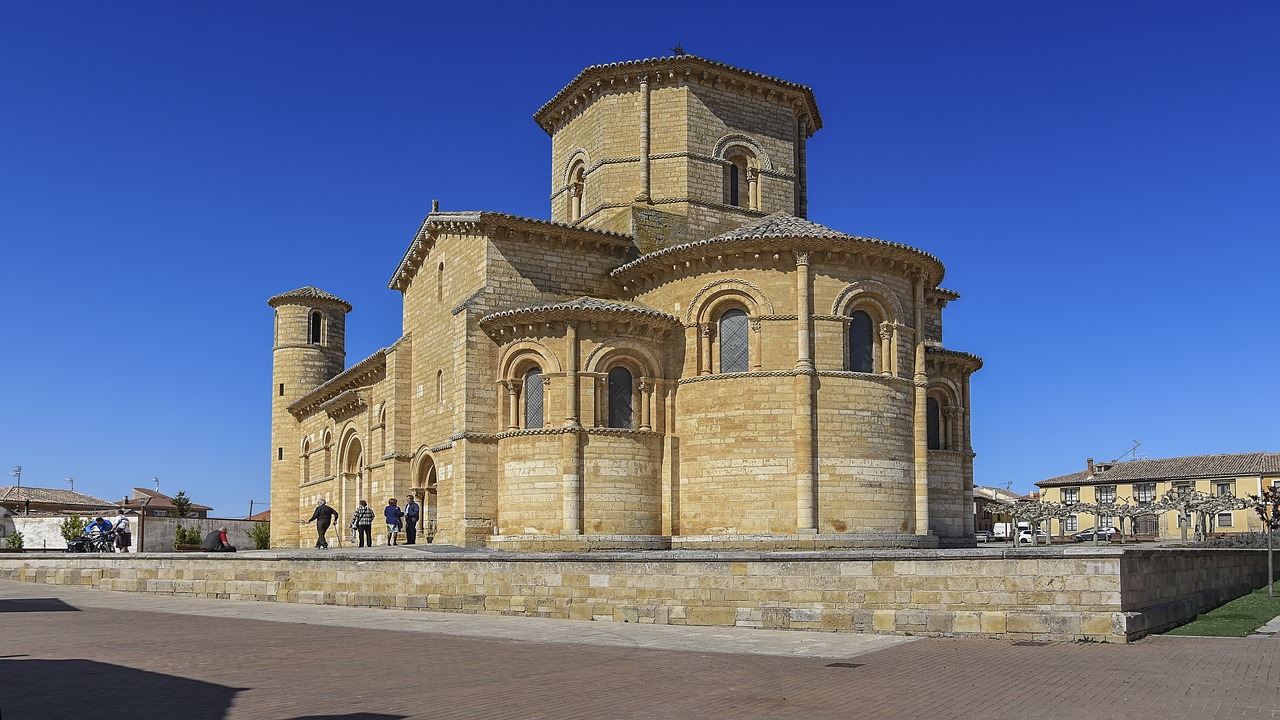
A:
(571, 375)
(806, 442)
(753, 188)
(804, 312)
(575, 201)
(802, 189)
(705, 330)
(644, 195)
(921, 381)
(513, 403)
(646, 397)
(894, 359)
(886, 348)
(571, 456)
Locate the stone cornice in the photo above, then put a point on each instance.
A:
(599, 80)
(500, 226)
(345, 404)
(359, 375)
(967, 362)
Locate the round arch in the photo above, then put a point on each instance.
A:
(869, 294)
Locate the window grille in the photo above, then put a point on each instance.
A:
(733, 342)
(1146, 525)
(533, 398)
(861, 342)
(620, 411)
(1226, 519)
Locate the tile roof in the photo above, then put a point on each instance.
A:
(782, 226)
(310, 292)
(158, 500)
(685, 62)
(14, 493)
(1178, 468)
(582, 304)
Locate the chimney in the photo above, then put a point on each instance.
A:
(1090, 466)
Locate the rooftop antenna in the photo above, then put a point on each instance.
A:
(72, 482)
(678, 51)
(1132, 452)
(17, 472)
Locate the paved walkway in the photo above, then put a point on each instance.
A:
(65, 650)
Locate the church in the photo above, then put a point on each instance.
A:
(677, 359)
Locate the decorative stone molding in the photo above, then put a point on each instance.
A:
(751, 290)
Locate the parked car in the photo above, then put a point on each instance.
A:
(1104, 535)
(982, 536)
(1024, 537)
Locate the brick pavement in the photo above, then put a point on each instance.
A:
(64, 651)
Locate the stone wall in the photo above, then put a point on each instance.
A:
(45, 531)
(1106, 594)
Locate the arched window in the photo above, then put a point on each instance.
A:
(733, 341)
(621, 414)
(861, 342)
(933, 423)
(440, 387)
(440, 282)
(577, 183)
(741, 179)
(533, 413)
(306, 460)
(313, 327)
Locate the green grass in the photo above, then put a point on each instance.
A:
(1238, 618)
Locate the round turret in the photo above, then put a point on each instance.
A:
(308, 350)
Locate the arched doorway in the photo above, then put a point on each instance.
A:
(425, 489)
(350, 478)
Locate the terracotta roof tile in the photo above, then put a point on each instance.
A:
(309, 292)
(1178, 468)
(581, 304)
(14, 493)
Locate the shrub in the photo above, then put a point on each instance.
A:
(260, 534)
(187, 536)
(15, 541)
(1253, 540)
(72, 527)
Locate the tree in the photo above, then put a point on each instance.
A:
(181, 505)
(72, 527)
(1187, 502)
(260, 534)
(1267, 505)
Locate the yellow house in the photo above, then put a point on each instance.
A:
(1146, 481)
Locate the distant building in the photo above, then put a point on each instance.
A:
(264, 516)
(21, 500)
(986, 504)
(157, 504)
(1145, 481)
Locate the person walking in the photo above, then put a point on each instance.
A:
(394, 517)
(322, 517)
(362, 521)
(412, 511)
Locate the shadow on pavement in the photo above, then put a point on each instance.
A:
(36, 605)
(58, 689)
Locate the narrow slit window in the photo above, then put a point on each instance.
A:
(533, 397)
(313, 331)
(934, 424)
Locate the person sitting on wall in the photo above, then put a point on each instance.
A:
(216, 541)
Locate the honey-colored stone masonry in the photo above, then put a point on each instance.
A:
(678, 359)
(1109, 595)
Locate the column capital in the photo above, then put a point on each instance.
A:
(802, 257)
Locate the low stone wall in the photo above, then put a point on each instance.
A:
(1105, 594)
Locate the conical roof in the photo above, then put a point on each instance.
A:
(310, 292)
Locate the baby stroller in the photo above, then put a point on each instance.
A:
(93, 542)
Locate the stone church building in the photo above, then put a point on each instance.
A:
(678, 358)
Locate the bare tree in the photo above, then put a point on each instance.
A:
(1267, 505)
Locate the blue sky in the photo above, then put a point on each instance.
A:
(1100, 179)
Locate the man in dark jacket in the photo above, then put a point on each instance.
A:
(216, 541)
(322, 517)
(411, 515)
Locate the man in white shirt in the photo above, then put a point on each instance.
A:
(123, 537)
